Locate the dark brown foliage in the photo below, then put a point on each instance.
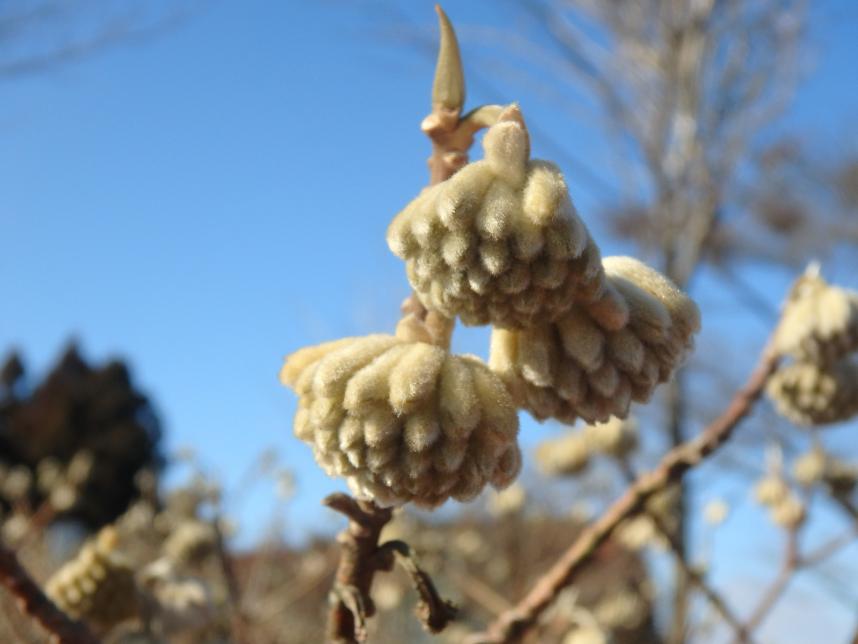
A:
(80, 407)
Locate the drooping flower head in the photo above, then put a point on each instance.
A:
(500, 242)
(404, 420)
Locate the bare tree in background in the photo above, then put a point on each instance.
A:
(38, 35)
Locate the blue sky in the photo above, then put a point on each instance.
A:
(205, 202)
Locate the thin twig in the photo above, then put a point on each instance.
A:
(791, 563)
(512, 624)
(33, 602)
(433, 611)
(239, 621)
(693, 575)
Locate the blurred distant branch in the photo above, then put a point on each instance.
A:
(695, 576)
(43, 34)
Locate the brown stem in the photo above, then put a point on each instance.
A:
(33, 602)
(512, 624)
(350, 600)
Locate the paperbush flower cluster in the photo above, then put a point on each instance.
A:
(97, 585)
(500, 243)
(581, 367)
(819, 331)
(404, 421)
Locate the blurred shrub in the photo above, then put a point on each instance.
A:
(76, 440)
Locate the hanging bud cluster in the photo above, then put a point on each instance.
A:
(570, 453)
(566, 455)
(819, 330)
(96, 586)
(616, 437)
(494, 242)
(820, 321)
(585, 366)
(180, 604)
(499, 242)
(812, 394)
(404, 420)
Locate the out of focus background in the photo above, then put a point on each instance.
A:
(191, 190)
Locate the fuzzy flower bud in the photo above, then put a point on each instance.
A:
(809, 468)
(771, 490)
(579, 367)
(616, 437)
(500, 242)
(788, 513)
(97, 585)
(181, 604)
(819, 322)
(587, 634)
(508, 501)
(716, 512)
(402, 420)
(623, 609)
(810, 394)
(566, 455)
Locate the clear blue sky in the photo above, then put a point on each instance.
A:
(208, 201)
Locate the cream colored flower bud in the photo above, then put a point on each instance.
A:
(716, 512)
(80, 467)
(500, 242)
(638, 532)
(191, 542)
(63, 497)
(789, 512)
(587, 634)
(15, 527)
(810, 394)
(566, 455)
(577, 367)
(624, 609)
(181, 604)
(616, 437)
(49, 472)
(819, 322)
(97, 585)
(17, 483)
(508, 501)
(809, 468)
(403, 420)
(771, 490)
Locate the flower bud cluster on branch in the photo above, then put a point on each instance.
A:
(500, 243)
(96, 586)
(404, 421)
(819, 330)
